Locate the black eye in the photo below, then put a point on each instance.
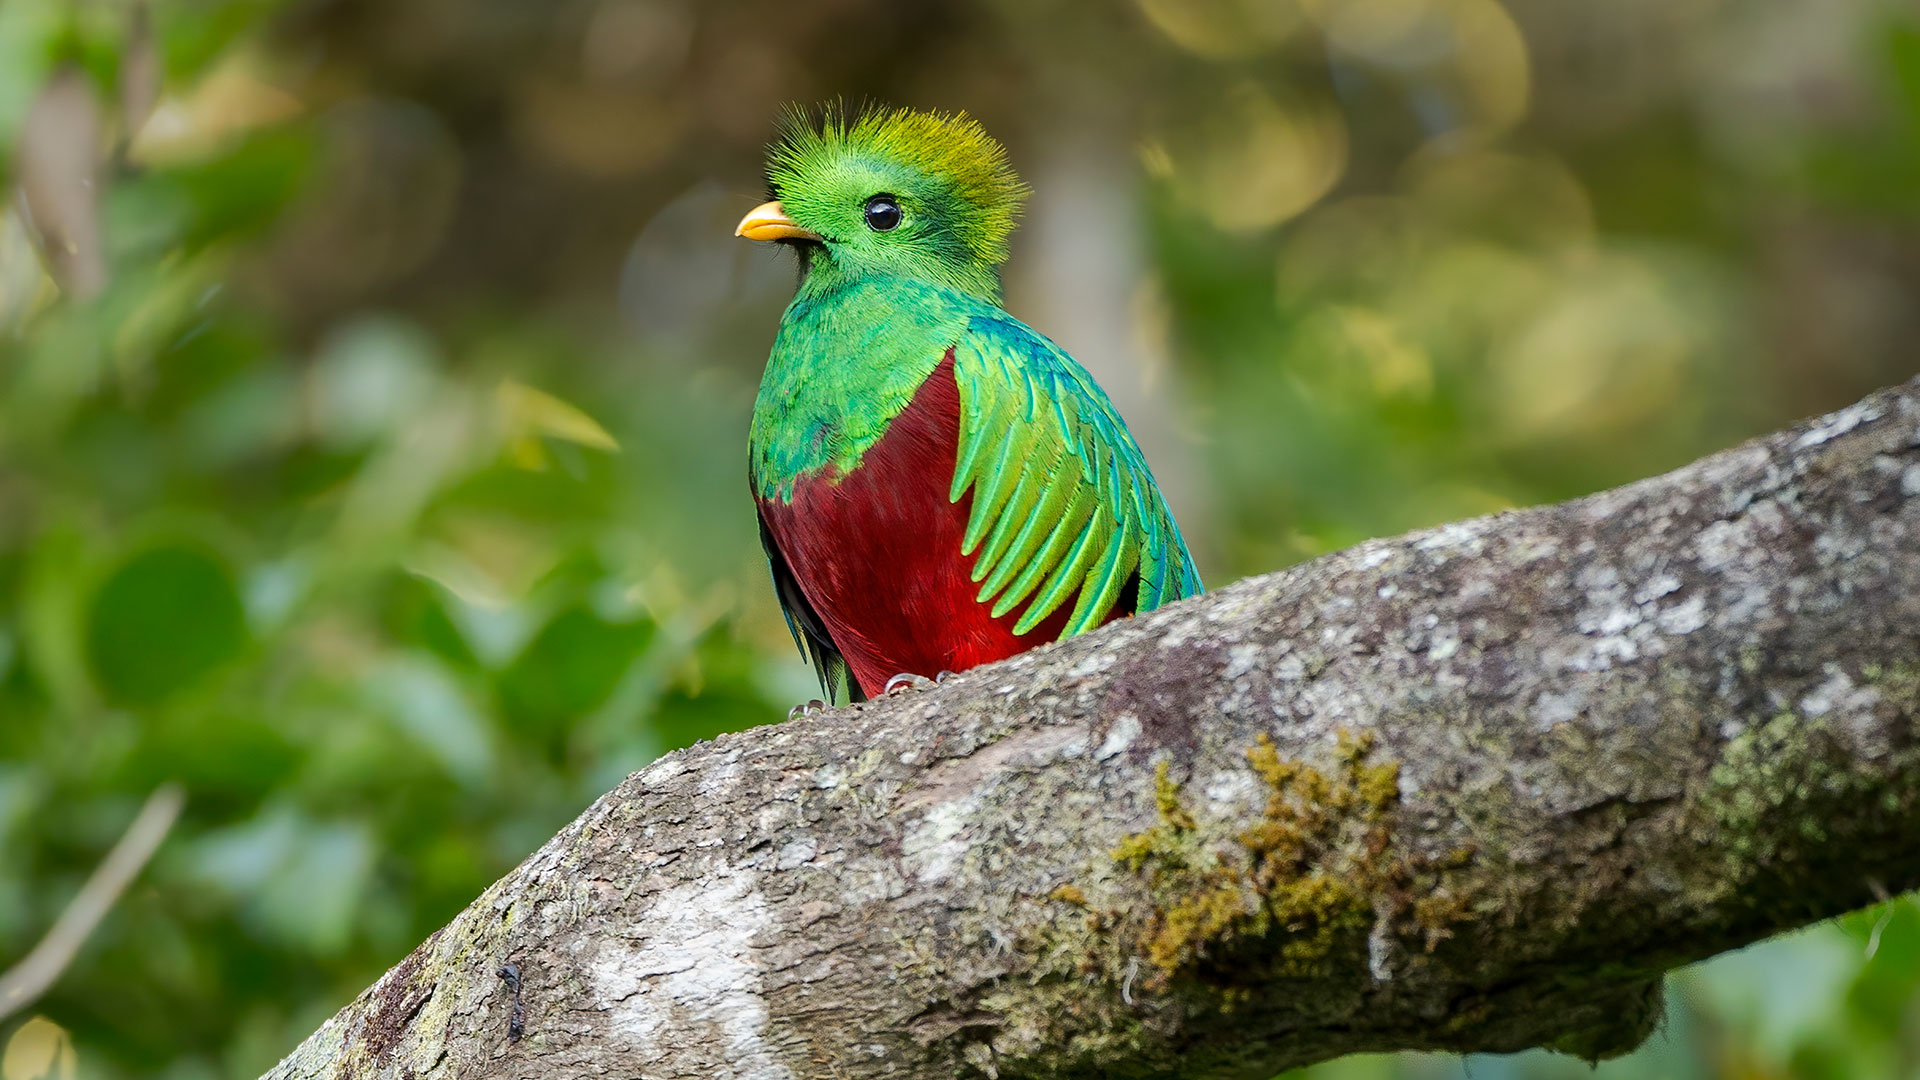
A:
(883, 213)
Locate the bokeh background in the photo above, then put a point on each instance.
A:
(374, 378)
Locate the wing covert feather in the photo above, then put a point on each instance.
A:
(1064, 507)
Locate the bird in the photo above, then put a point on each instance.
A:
(938, 485)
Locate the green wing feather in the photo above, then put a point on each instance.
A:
(1064, 507)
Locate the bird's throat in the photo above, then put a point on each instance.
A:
(849, 357)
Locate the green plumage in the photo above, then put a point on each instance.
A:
(946, 167)
(1064, 508)
(1062, 498)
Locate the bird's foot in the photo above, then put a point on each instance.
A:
(806, 708)
(907, 681)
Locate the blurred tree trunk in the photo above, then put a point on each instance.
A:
(1475, 788)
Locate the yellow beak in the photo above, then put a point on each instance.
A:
(769, 221)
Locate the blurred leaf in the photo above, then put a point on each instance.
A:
(240, 859)
(167, 617)
(414, 613)
(39, 1050)
(236, 193)
(192, 36)
(245, 417)
(51, 616)
(228, 762)
(310, 900)
(300, 880)
(531, 411)
(1883, 994)
(424, 701)
(568, 669)
(24, 284)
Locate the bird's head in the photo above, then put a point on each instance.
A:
(918, 194)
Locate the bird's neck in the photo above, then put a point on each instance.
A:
(846, 362)
(822, 273)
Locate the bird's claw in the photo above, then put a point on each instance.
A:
(906, 681)
(806, 708)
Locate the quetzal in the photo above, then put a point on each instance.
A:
(939, 485)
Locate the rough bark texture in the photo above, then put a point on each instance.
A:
(1473, 788)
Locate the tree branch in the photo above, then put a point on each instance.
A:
(1474, 788)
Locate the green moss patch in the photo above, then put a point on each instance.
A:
(1302, 876)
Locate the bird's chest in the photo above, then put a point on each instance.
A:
(838, 378)
(877, 549)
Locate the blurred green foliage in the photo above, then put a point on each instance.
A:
(385, 488)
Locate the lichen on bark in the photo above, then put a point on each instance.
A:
(1306, 870)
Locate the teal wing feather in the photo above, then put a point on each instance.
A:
(1064, 507)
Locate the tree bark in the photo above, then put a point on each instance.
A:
(1474, 788)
